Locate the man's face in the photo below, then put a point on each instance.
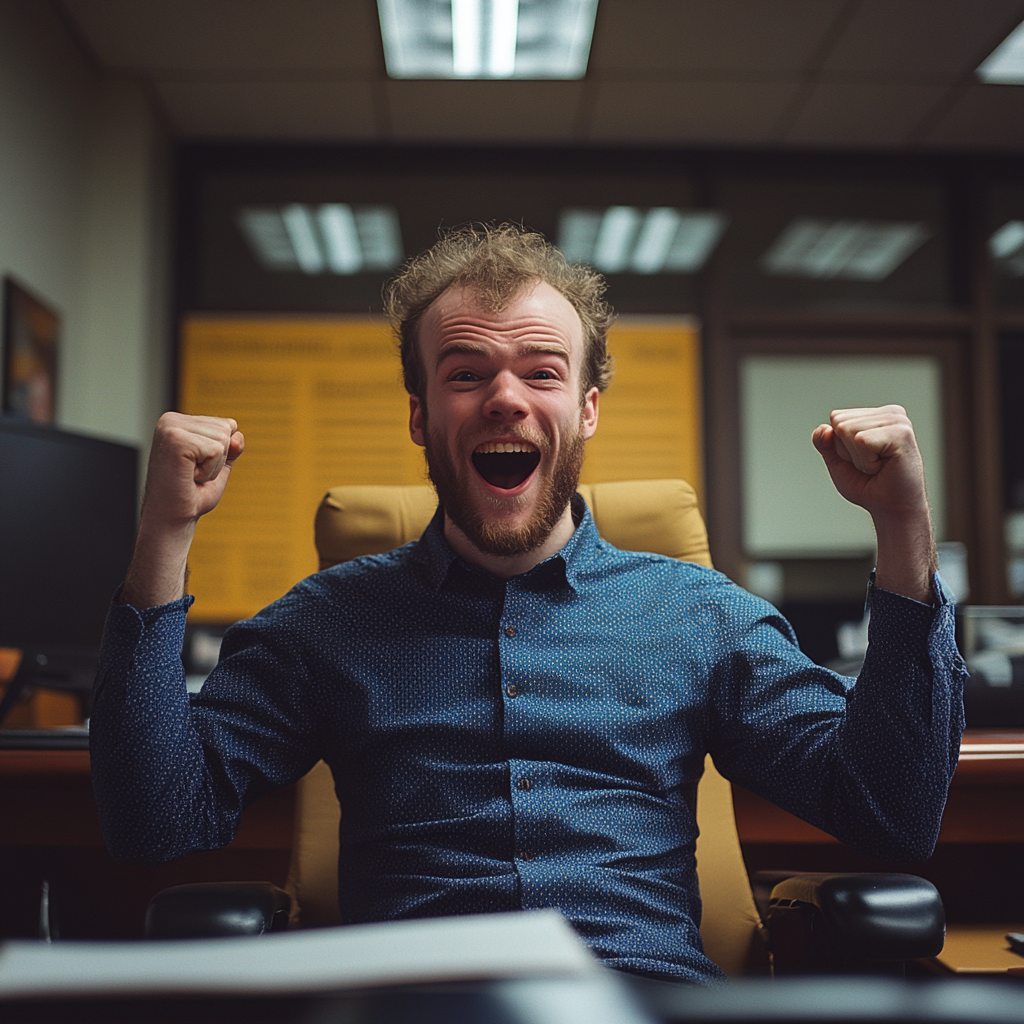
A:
(506, 426)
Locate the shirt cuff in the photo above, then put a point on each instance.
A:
(900, 621)
(942, 594)
(126, 624)
(149, 615)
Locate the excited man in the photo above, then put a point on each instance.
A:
(516, 713)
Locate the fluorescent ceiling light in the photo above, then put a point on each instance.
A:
(265, 232)
(626, 239)
(853, 250)
(380, 237)
(333, 237)
(302, 234)
(1007, 248)
(487, 38)
(1005, 64)
(484, 35)
(338, 230)
(615, 238)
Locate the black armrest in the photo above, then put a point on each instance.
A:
(208, 909)
(842, 922)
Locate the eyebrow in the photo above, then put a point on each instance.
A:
(529, 348)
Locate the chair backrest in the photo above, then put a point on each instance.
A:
(648, 515)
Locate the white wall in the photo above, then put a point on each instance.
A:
(83, 221)
(790, 507)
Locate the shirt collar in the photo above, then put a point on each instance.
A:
(564, 568)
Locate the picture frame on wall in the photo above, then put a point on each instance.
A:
(31, 341)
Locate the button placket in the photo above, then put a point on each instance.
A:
(508, 631)
(524, 781)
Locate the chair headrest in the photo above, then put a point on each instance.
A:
(661, 516)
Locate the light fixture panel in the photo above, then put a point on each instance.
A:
(264, 230)
(1007, 248)
(1005, 64)
(627, 239)
(839, 249)
(333, 237)
(487, 39)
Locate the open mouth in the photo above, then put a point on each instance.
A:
(506, 464)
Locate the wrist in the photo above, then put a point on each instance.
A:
(907, 558)
(159, 568)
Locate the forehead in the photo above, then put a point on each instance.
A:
(537, 312)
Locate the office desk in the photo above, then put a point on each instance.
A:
(49, 830)
(976, 865)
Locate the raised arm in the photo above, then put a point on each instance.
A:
(159, 765)
(873, 459)
(869, 763)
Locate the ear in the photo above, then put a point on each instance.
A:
(416, 420)
(588, 415)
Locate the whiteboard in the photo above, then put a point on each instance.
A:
(790, 508)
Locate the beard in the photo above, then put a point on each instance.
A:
(483, 525)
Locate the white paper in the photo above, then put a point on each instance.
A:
(531, 944)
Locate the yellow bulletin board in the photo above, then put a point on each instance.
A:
(321, 403)
(650, 419)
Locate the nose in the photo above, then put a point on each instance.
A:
(505, 399)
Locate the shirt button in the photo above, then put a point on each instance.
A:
(524, 784)
(510, 631)
(512, 690)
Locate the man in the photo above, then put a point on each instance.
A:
(516, 714)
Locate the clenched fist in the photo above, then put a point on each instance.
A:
(189, 466)
(873, 459)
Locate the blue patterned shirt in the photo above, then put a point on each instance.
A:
(532, 742)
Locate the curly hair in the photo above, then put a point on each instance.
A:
(496, 261)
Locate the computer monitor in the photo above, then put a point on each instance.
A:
(67, 527)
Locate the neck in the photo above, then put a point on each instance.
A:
(507, 566)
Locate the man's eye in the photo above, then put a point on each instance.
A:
(542, 375)
(465, 377)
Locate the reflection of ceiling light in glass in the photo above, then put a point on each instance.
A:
(1007, 248)
(302, 234)
(860, 250)
(1005, 64)
(487, 38)
(335, 236)
(625, 239)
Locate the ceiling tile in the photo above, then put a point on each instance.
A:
(985, 115)
(484, 111)
(946, 38)
(864, 113)
(694, 35)
(327, 111)
(231, 35)
(685, 112)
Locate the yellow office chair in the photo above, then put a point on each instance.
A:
(653, 515)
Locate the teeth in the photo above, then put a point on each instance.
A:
(493, 447)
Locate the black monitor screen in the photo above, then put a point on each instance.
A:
(67, 526)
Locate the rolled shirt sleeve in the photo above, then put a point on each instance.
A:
(867, 760)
